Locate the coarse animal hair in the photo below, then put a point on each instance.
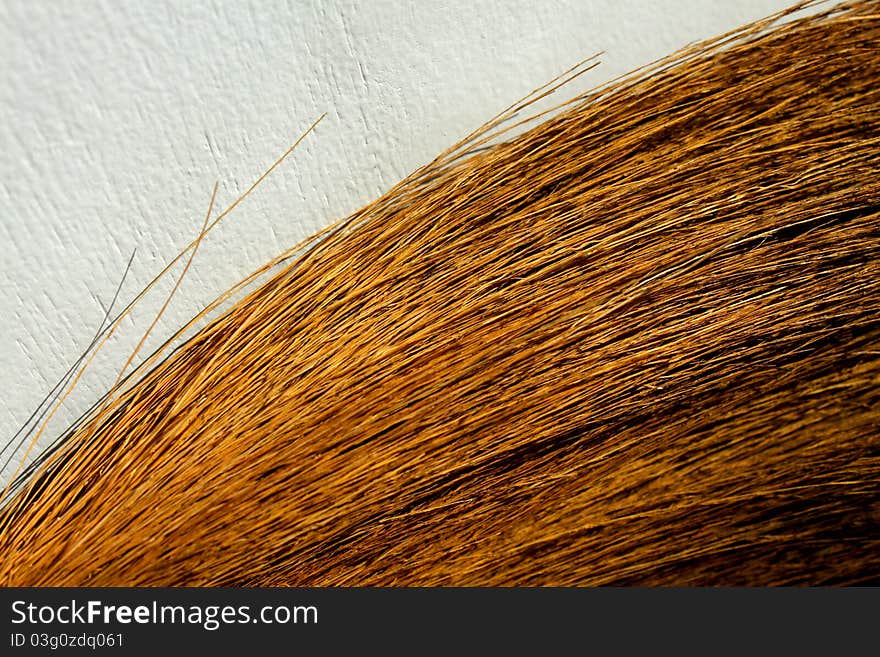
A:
(637, 343)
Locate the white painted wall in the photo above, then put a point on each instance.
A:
(117, 118)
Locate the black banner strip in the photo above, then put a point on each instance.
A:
(449, 620)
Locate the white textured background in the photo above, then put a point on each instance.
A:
(117, 118)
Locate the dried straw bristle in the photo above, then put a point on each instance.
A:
(637, 343)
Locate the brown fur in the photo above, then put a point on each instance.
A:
(637, 344)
